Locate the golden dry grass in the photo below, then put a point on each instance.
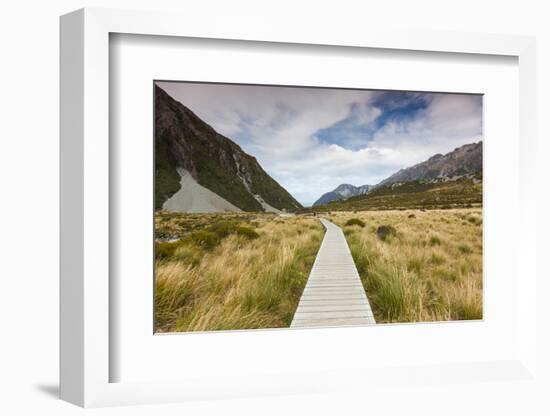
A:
(430, 270)
(241, 281)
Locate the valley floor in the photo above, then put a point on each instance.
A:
(248, 270)
(418, 265)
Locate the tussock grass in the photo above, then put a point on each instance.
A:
(430, 269)
(385, 231)
(251, 276)
(465, 249)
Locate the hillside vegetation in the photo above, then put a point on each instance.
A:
(460, 193)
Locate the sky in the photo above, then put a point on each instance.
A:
(311, 140)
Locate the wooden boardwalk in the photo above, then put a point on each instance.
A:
(334, 294)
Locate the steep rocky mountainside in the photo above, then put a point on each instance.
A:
(184, 141)
(342, 192)
(464, 160)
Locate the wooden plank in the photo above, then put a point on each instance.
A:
(340, 299)
(328, 308)
(333, 314)
(332, 291)
(334, 294)
(328, 305)
(324, 286)
(332, 322)
(355, 288)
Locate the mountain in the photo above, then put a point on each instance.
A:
(342, 192)
(462, 192)
(464, 160)
(442, 181)
(198, 169)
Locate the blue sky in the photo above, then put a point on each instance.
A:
(313, 139)
(356, 131)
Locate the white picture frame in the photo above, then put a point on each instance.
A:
(86, 356)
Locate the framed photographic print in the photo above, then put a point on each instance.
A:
(268, 214)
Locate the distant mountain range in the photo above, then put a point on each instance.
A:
(199, 170)
(342, 192)
(462, 162)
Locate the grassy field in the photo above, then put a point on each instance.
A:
(418, 265)
(248, 270)
(231, 271)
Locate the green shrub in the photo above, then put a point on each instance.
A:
(355, 221)
(415, 264)
(474, 220)
(247, 232)
(437, 259)
(165, 250)
(349, 231)
(445, 274)
(464, 248)
(223, 228)
(189, 254)
(435, 241)
(385, 231)
(213, 235)
(206, 239)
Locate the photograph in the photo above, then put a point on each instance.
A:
(305, 207)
